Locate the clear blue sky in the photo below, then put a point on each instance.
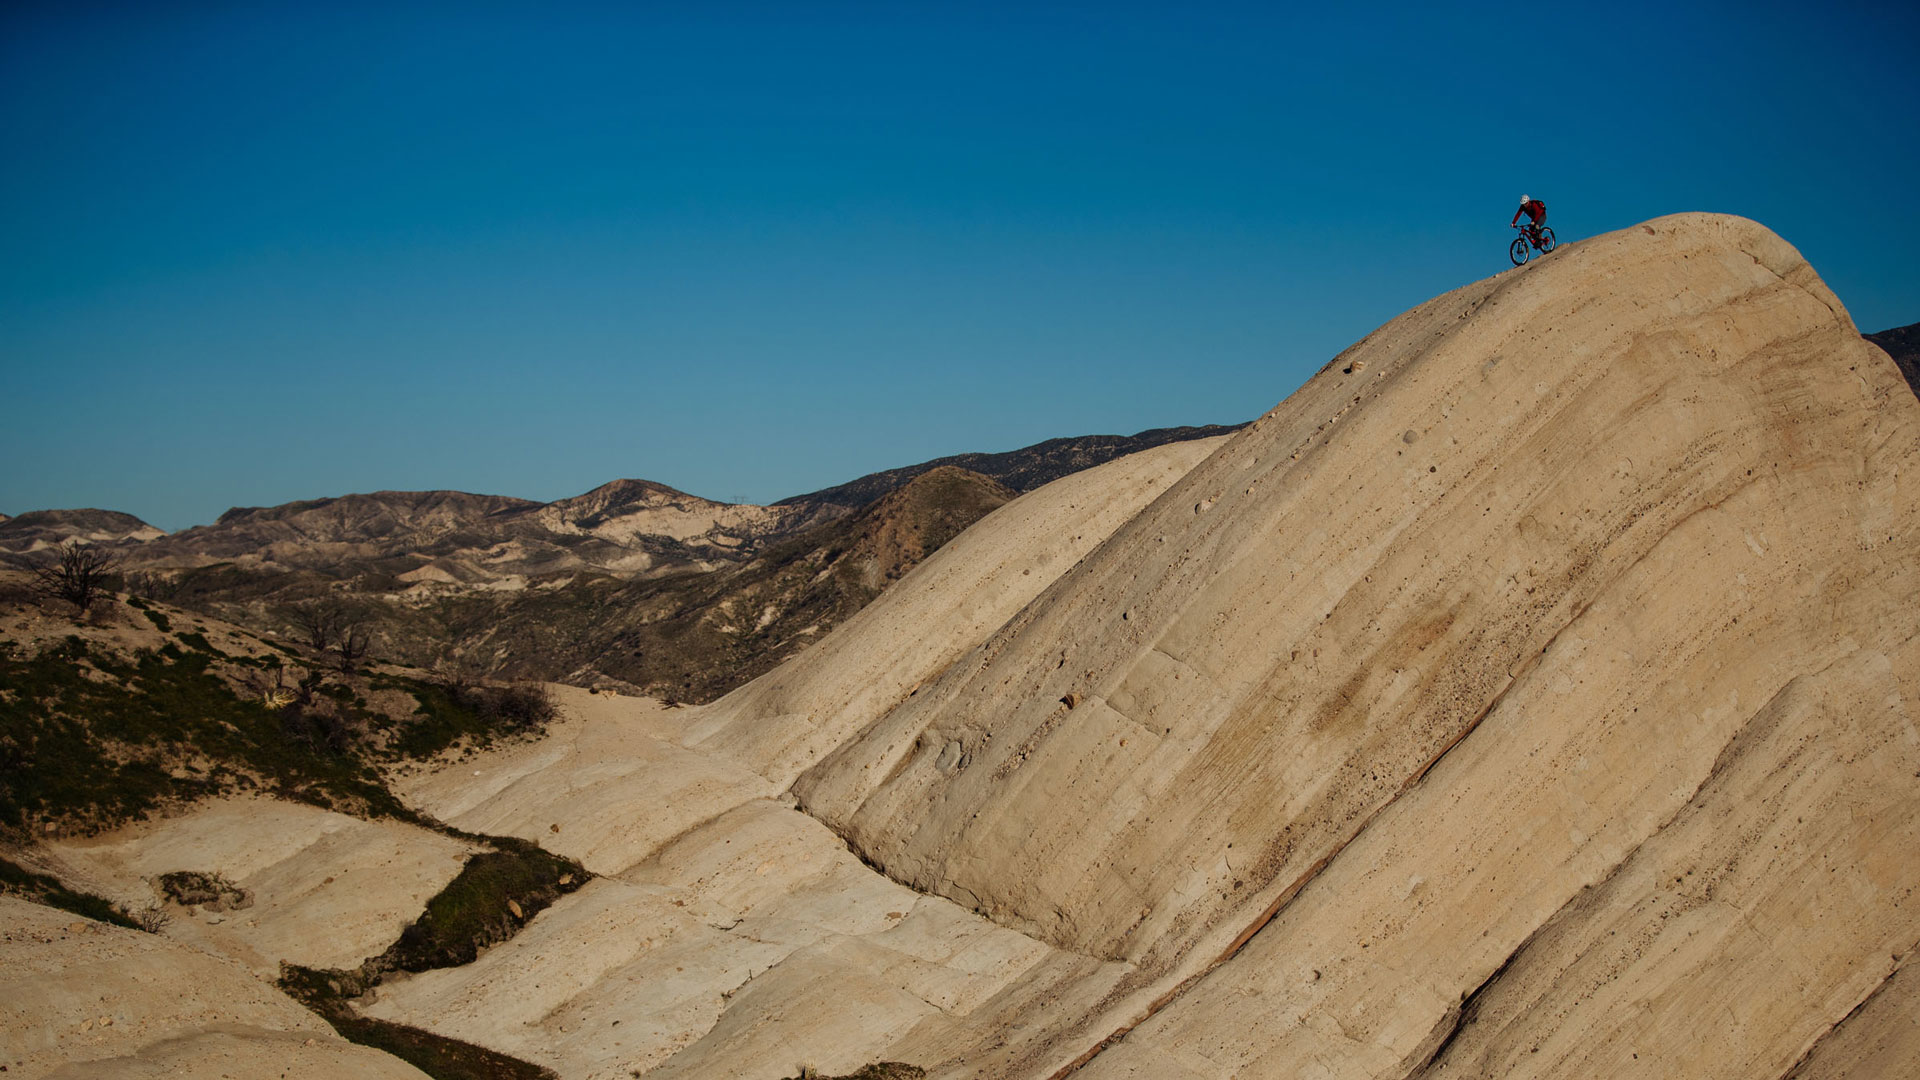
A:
(259, 252)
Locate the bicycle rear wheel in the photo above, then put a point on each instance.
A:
(1519, 250)
(1546, 239)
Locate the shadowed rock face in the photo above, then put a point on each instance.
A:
(1903, 344)
(1021, 470)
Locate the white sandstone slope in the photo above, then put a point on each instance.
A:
(80, 1000)
(327, 890)
(1532, 596)
(785, 721)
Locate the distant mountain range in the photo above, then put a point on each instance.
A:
(632, 583)
(38, 530)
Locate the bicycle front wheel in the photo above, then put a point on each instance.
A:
(1519, 250)
(1546, 239)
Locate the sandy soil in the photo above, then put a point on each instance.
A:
(328, 890)
(80, 999)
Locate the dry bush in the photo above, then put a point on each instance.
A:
(80, 574)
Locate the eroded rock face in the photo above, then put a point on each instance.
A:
(1534, 592)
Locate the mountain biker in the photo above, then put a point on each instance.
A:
(1535, 209)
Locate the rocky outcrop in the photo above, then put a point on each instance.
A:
(322, 889)
(1533, 693)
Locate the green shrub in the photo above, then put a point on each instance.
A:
(495, 894)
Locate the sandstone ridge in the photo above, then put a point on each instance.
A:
(1568, 610)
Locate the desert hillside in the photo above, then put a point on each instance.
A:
(1531, 694)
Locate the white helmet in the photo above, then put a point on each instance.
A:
(1525, 199)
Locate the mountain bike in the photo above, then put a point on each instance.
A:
(1529, 241)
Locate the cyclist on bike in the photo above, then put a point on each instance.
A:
(1535, 209)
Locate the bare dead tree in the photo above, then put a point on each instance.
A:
(331, 626)
(80, 576)
(352, 645)
(319, 622)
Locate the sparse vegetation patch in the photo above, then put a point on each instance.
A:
(451, 711)
(90, 739)
(880, 1070)
(93, 734)
(80, 574)
(495, 894)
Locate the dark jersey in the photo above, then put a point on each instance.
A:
(1534, 209)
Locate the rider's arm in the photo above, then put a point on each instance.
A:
(1516, 215)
